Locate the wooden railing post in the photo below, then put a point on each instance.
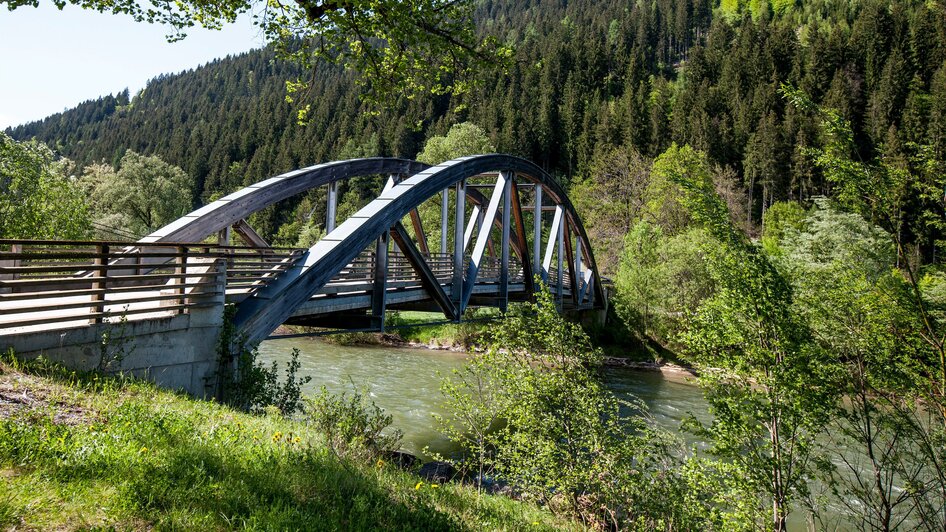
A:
(100, 276)
(16, 248)
(181, 280)
(12, 263)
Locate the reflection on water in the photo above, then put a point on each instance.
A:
(405, 383)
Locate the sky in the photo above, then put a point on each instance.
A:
(51, 60)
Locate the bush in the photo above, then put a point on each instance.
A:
(353, 426)
(660, 280)
(533, 410)
(256, 387)
(249, 385)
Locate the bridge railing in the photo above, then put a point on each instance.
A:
(61, 284)
(400, 271)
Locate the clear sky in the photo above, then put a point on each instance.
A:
(51, 60)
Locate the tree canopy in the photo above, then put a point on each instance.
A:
(37, 199)
(462, 139)
(144, 194)
(414, 46)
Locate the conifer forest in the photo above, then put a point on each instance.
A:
(763, 183)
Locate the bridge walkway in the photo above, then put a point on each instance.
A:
(53, 285)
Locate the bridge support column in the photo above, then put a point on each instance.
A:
(456, 291)
(537, 232)
(379, 292)
(485, 225)
(224, 236)
(331, 206)
(444, 207)
(522, 240)
(560, 238)
(579, 277)
(507, 177)
(550, 247)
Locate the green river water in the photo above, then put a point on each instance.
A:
(405, 383)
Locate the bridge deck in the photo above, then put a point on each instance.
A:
(54, 288)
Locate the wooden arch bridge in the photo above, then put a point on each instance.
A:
(174, 283)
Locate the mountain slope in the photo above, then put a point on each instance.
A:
(588, 75)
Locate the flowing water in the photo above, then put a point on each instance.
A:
(405, 383)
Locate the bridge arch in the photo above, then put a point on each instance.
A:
(268, 308)
(231, 209)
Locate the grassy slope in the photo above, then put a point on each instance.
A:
(80, 451)
(410, 325)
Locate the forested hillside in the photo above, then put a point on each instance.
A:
(589, 76)
(762, 180)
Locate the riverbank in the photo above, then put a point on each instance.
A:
(86, 451)
(426, 330)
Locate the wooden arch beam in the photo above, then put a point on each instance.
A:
(262, 313)
(230, 209)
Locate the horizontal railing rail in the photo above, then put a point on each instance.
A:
(54, 284)
(47, 284)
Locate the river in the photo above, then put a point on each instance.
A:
(405, 383)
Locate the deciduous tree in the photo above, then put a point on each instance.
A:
(37, 199)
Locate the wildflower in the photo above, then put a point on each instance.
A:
(143, 450)
(380, 463)
(277, 436)
(297, 440)
(419, 485)
(435, 485)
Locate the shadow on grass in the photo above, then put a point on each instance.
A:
(196, 487)
(161, 466)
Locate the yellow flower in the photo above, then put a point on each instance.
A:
(143, 450)
(277, 436)
(419, 485)
(435, 485)
(380, 463)
(297, 440)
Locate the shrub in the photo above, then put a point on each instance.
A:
(533, 410)
(353, 426)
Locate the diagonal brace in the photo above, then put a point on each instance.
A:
(553, 240)
(427, 277)
(479, 248)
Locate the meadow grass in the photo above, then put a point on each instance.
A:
(82, 451)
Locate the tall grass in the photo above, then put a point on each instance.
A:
(128, 455)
